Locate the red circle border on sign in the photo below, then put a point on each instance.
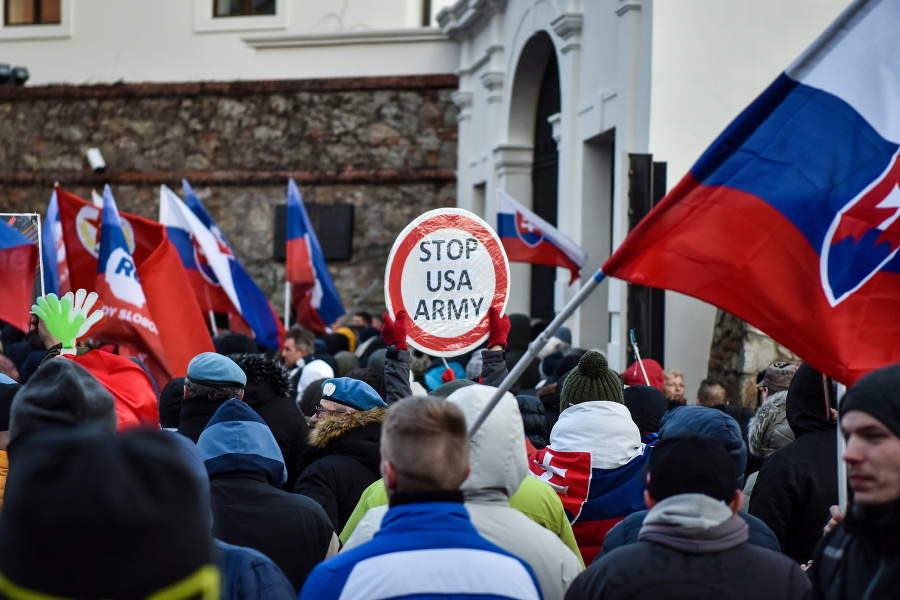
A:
(501, 281)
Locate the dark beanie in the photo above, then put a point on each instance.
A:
(878, 395)
(61, 393)
(236, 343)
(90, 515)
(444, 390)
(170, 404)
(591, 380)
(690, 464)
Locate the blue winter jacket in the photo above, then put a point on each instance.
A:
(424, 550)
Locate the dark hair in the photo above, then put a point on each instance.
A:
(216, 395)
(712, 392)
(370, 376)
(303, 339)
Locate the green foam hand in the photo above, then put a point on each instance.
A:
(58, 315)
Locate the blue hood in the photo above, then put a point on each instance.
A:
(712, 423)
(236, 439)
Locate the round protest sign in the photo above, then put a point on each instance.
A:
(446, 269)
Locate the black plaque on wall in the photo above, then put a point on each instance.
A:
(333, 224)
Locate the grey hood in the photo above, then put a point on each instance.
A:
(694, 523)
(497, 452)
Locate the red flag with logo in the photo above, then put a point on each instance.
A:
(180, 323)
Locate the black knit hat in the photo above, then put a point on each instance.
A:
(61, 393)
(90, 515)
(591, 380)
(878, 395)
(690, 464)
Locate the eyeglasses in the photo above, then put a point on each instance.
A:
(320, 411)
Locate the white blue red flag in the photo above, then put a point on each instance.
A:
(249, 301)
(129, 320)
(316, 301)
(530, 239)
(18, 267)
(790, 219)
(53, 252)
(202, 254)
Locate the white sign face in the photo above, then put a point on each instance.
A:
(446, 270)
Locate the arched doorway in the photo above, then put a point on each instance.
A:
(545, 183)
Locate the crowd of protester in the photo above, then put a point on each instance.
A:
(341, 466)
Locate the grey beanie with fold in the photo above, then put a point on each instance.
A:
(61, 393)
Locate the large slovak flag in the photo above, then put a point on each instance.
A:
(130, 322)
(315, 299)
(18, 267)
(249, 301)
(790, 219)
(529, 238)
(201, 252)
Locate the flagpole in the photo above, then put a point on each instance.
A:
(535, 347)
(637, 355)
(212, 323)
(287, 304)
(40, 244)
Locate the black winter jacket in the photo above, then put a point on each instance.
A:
(344, 459)
(647, 570)
(290, 529)
(798, 483)
(860, 558)
(532, 411)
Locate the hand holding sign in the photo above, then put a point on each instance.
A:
(447, 269)
(394, 332)
(500, 327)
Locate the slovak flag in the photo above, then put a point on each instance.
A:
(201, 252)
(594, 463)
(18, 266)
(53, 252)
(129, 320)
(530, 239)
(315, 299)
(249, 301)
(790, 219)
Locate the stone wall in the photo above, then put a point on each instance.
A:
(738, 353)
(385, 145)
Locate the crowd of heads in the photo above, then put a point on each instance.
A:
(70, 468)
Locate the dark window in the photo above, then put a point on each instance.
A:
(32, 12)
(243, 8)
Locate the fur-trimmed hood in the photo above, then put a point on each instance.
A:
(326, 433)
(768, 430)
(265, 377)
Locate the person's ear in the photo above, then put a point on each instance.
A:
(389, 475)
(185, 392)
(240, 395)
(735, 504)
(649, 500)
